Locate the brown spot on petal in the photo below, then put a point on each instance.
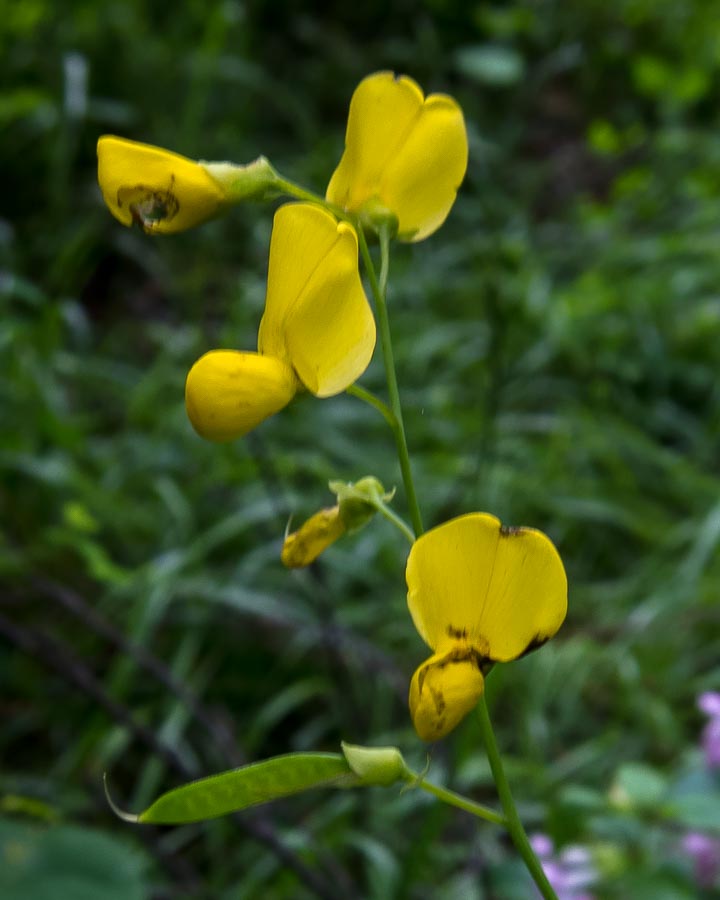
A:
(458, 634)
(149, 207)
(511, 530)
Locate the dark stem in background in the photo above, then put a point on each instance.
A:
(54, 654)
(214, 726)
(323, 605)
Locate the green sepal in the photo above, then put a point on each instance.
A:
(377, 765)
(376, 218)
(359, 501)
(257, 180)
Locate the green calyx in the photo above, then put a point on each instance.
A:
(377, 765)
(257, 180)
(377, 218)
(359, 501)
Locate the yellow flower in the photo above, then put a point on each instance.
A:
(317, 331)
(478, 593)
(404, 152)
(155, 188)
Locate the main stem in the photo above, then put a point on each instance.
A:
(513, 823)
(511, 819)
(379, 290)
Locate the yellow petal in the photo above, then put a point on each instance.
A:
(303, 546)
(383, 110)
(228, 393)
(301, 238)
(317, 317)
(160, 190)
(443, 690)
(421, 182)
(407, 152)
(500, 591)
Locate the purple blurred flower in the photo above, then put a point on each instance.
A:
(705, 854)
(709, 703)
(570, 872)
(542, 845)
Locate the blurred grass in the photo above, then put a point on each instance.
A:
(557, 345)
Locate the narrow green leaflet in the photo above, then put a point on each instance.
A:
(247, 786)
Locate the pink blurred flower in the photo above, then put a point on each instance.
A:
(569, 872)
(705, 854)
(709, 703)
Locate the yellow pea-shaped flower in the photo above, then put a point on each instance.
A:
(478, 593)
(404, 153)
(317, 332)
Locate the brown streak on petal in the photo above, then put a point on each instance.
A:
(534, 644)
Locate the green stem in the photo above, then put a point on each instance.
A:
(512, 820)
(393, 517)
(368, 397)
(379, 288)
(284, 185)
(453, 799)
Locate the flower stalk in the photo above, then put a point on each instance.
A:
(378, 286)
(512, 818)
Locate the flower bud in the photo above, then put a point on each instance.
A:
(377, 765)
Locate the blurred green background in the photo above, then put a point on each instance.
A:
(558, 348)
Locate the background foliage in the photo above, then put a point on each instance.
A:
(558, 345)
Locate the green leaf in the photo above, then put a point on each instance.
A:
(490, 64)
(638, 786)
(66, 861)
(646, 885)
(699, 811)
(247, 786)
(23, 102)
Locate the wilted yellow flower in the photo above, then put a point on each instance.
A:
(357, 504)
(404, 153)
(160, 190)
(317, 331)
(164, 192)
(315, 535)
(478, 593)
